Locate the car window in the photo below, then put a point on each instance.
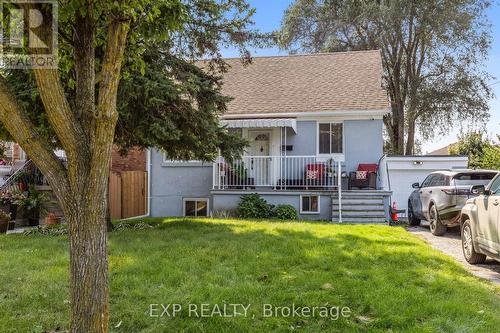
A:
(474, 178)
(495, 186)
(427, 181)
(438, 180)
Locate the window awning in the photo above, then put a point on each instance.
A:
(261, 123)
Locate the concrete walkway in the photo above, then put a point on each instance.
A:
(451, 245)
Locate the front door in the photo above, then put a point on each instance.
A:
(259, 160)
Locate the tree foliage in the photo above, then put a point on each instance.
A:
(432, 53)
(482, 152)
(165, 100)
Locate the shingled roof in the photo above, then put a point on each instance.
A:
(341, 81)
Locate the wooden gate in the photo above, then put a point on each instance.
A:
(127, 194)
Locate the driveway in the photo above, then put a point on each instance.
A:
(451, 245)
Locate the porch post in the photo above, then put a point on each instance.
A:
(339, 182)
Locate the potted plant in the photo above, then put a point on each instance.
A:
(35, 205)
(16, 199)
(5, 199)
(4, 221)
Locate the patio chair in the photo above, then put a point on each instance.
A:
(315, 175)
(364, 177)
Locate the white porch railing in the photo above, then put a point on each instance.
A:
(277, 172)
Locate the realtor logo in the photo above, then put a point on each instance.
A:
(28, 34)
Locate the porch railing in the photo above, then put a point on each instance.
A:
(277, 172)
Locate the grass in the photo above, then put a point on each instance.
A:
(389, 279)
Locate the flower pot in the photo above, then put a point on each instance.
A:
(4, 226)
(52, 219)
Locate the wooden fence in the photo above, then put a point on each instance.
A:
(127, 194)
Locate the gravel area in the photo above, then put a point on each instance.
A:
(450, 244)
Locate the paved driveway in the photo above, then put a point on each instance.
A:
(451, 245)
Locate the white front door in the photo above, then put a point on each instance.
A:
(260, 145)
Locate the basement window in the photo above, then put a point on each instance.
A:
(196, 207)
(309, 204)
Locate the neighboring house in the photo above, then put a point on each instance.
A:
(305, 116)
(13, 158)
(442, 151)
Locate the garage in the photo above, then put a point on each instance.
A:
(398, 173)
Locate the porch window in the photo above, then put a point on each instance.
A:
(330, 138)
(196, 207)
(309, 204)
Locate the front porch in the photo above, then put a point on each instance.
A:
(278, 173)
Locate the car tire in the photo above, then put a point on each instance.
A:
(437, 228)
(468, 249)
(412, 219)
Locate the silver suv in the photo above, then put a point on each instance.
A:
(481, 223)
(441, 196)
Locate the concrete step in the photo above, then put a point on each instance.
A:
(359, 196)
(361, 220)
(358, 207)
(365, 202)
(361, 213)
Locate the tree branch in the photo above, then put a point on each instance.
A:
(25, 133)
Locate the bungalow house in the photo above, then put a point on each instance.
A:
(315, 129)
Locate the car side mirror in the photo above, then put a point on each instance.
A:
(478, 189)
(415, 185)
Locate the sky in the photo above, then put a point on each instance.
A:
(268, 17)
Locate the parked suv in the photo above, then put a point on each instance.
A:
(441, 196)
(480, 221)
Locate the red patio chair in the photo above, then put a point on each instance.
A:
(364, 177)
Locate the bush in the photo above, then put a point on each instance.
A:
(254, 207)
(285, 212)
(47, 230)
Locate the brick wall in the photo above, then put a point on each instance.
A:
(134, 161)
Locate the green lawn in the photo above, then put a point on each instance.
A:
(389, 279)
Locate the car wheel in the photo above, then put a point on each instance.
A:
(437, 228)
(412, 219)
(470, 253)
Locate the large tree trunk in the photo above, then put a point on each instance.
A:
(410, 141)
(88, 267)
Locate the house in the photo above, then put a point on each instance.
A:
(443, 150)
(309, 119)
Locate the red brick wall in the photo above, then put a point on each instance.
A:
(134, 161)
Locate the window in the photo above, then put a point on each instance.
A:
(169, 162)
(330, 138)
(196, 207)
(495, 186)
(309, 204)
(427, 181)
(438, 180)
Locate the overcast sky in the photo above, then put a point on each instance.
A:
(268, 17)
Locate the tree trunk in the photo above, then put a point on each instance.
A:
(410, 141)
(88, 266)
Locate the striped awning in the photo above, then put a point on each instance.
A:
(261, 123)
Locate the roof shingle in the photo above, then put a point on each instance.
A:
(341, 81)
